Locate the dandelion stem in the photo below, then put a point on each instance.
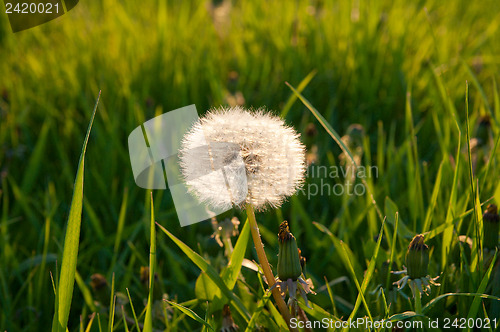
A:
(418, 302)
(268, 273)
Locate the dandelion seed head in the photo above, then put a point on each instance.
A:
(262, 159)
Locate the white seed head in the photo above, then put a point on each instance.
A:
(262, 160)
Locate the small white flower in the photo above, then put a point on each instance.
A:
(262, 160)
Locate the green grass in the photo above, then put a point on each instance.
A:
(399, 69)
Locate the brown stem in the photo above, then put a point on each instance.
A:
(268, 273)
(303, 317)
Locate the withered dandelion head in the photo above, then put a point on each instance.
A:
(262, 159)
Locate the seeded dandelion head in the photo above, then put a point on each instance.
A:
(262, 159)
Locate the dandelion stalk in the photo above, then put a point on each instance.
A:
(418, 303)
(268, 273)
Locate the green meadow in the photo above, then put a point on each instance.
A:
(406, 90)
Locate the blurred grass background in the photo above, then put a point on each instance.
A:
(397, 68)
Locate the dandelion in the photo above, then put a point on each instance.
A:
(417, 263)
(262, 159)
(290, 266)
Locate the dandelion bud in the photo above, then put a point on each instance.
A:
(289, 266)
(491, 223)
(417, 258)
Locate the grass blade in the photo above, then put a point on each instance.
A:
(190, 313)
(124, 320)
(448, 231)
(293, 97)
(230, 275)
(390, 209)
(366, 279)
(262, 303)
(403, 316)
(89, 325)
(210, 271)
(133, 311)
(148, 321)
(393, 250)
(71, 243)
(330, 294)
(432, 203)
(111, 321)
(482, 287)
(112, 304)
(429, 305)
(477, 249)
(360, 290)
(87, 296)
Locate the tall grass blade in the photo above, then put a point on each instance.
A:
(367, 278)
(231, 273)
(476, 252)
(293, 97)
(482, 287)
(360, 290)
(431, 303)
(111, 304)
(255, 316)
(133, 311)
(432, 203)
(148, 321)
(190, 313)
(89, 325)
(71, 242)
